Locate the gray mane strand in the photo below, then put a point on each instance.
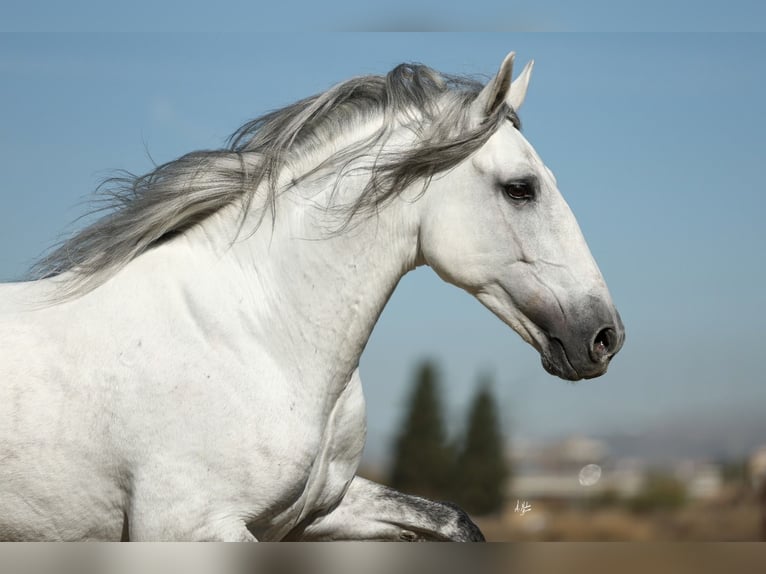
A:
(146, 210)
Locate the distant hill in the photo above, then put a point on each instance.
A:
(713, 436)
(725, 435)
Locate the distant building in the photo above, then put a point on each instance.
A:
(626, 477)
(574, 453)
(757, 467)
(702, 480)
(579, 467)
(575, 468)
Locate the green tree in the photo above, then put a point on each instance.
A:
(661, 491)
(422, 459)
(481, 470)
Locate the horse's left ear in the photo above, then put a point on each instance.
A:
(518, 90)
(500, 89)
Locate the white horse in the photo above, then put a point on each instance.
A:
(186, 367)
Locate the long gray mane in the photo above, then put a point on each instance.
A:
(146, 210)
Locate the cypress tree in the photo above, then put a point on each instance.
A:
(481, 470)
(422, 459)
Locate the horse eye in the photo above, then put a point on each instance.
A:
(520, 190)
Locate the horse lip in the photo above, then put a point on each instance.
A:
(563, 366)
(550, 347)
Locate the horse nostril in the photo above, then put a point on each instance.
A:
(603, 344)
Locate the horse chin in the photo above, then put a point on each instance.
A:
(556, 362)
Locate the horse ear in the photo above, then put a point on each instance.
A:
(518, 90)
(496, 91)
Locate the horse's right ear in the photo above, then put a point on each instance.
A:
(496, 91)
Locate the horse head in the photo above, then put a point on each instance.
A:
(497, 226)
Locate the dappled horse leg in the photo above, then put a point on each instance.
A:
(371, 511)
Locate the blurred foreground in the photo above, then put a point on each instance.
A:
(374, 558)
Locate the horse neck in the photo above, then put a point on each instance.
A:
(310, 296)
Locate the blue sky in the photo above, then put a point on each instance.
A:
(657, 142)
(298, 16)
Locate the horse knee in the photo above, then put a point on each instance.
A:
(460, 527)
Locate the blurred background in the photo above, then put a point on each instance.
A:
(657, 144)
(573, 487)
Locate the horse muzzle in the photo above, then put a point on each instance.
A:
(585, 354)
